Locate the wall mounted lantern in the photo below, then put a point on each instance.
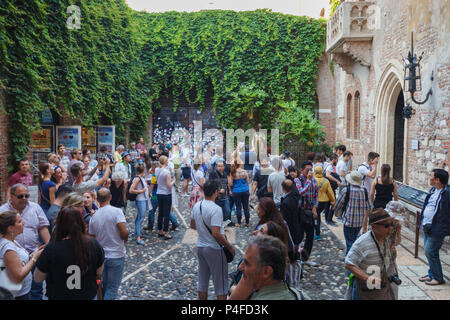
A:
(412, 82)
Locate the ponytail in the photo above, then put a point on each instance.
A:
(43, 167)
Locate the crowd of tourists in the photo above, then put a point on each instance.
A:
(73, 238)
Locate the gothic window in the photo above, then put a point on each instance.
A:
(356, 116)
(348, 125)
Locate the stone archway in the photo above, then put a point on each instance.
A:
(387, 95)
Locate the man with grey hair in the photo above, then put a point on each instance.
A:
(276, 179)
(35, 226)
(264, 268)
(117, 157)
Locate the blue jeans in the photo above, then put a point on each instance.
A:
(151, 213)
(350, 234)
(241, 200)
(112, 277)
(226, 211)
(141, 207)
(37, 289)
(432, 244)
(173, 219)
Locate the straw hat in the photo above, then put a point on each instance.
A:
(354, 178)
(379, 215)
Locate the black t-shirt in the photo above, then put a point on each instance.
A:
(59, 263)
(223, 180)
(117, 195)
(153, 154)
(261, 183)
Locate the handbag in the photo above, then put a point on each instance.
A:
(229, 256)
(308, 217)
(5, 281)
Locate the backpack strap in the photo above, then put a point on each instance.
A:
(367, 167)
(347, 198)
(321, 184)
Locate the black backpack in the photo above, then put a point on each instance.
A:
(132, 196)
(347, 197)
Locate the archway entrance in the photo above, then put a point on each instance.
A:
(399, 138)
(391, 128)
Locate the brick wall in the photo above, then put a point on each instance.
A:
(431, 122)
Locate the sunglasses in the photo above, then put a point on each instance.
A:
(21, 196)
(387, 225)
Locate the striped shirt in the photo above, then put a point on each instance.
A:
(364, 254)
(357, 206)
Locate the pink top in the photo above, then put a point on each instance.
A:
(19, 178)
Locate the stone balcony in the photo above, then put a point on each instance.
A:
(350, 34)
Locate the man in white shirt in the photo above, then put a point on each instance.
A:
(343, 166)
(207, 219)
(275, 180)
(435, 219)
(109, 226)
(287, 161)
(369, 170)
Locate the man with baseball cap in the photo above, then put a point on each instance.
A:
(124, 165)
(354, 205)
(372, 260)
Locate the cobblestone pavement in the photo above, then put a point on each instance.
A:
(167, 269)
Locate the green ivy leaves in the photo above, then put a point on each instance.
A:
(121, 63)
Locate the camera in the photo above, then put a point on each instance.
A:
(395, 279)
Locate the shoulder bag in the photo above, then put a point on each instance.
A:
(229, 256)
(5, 281)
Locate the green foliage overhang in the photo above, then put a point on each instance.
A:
(118, 66)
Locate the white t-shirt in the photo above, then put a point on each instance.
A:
(342, 166)
(213, 216)
(6, 245)
(430, 209)
(288, 163)
(275, 180)
(364, 169)
(103, 225)
(196, 176)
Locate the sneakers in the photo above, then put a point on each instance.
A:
(318, 238)
(172, 228)
(311, 263)
(331, 223)
(231, 224)
(148, 228)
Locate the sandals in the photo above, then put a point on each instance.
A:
(167, 237)
(425, 278)
(140, 242)
(434, 282)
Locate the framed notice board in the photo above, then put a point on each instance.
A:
(411, 195)
(70, 136)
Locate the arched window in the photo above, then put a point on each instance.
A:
(356, 116)
(348, 125)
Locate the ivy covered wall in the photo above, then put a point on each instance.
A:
(121, 63)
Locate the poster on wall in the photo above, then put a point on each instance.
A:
(43, 140)
(88, 139)
(69, 136)
(106, 136)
